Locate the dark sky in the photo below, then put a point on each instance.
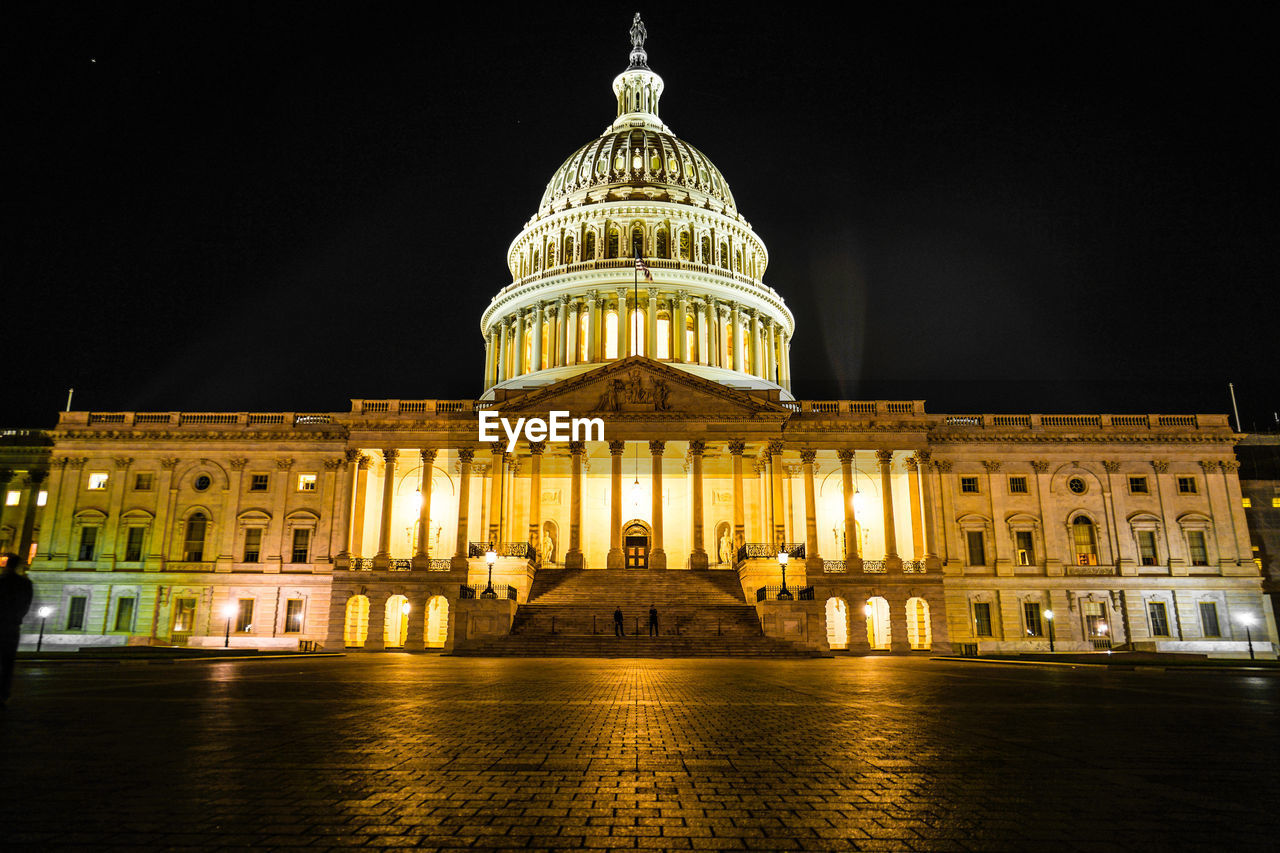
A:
(277, 207)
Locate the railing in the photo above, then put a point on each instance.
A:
(438, 565)
(1101, 644)
(400, 564)
(873, 567)
(913, 567)
(763, 549)
(474, 590)
(834, 567)
(503, 549)
(1071, 420)
(1090, 570)
(862, 408)
(412, 407)
(768, 593)
(189, 566)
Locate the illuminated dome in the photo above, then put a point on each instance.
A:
(637, 190)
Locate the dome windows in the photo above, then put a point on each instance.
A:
(589, 247)
(686, 246)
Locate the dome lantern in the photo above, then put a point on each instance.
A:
(638, 89)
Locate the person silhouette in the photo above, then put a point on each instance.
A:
(15, 601)
(617, 623)
(653, 620)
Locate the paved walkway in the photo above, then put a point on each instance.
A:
(392, 750)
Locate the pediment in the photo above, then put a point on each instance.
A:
(643, 387)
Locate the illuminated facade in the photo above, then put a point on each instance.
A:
(908, 530)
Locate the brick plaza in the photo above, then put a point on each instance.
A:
(428, 751)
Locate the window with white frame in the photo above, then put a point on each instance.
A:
(97, 481)
(306, 482)
(12, 498)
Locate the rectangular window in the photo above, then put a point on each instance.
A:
(1017, 485)
(144, 482)
(1159, 618)
(1186, 485)
(306, 482)
(1031, 613)
(1209, 619)
(124, 614)
(969, 485)
(1196, 546)
(184, 615)
(1095, 620)
(75, 612)
(12, 498)
(42, 498)
(1026, 550)
(982, 618)
(259, 482)
(293, 616)
(244, 617)
(977, 549)
(1275, 503)
(1138, 486)
(1147, 555)
(133, 544)
(252, 544)
(1246, 503)
(301, 544)
(97, 481)
(88, 543)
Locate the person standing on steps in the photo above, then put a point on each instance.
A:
(15, 601)
(653, 620)
(617, 623)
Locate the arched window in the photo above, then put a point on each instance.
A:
(568, 249)
(584, 323)
(589, 247)
(877, 612)
(637, 332)
(551, 255)
(437, 622)
(837, 623)
(537, 263)
(611, 243)
(662, 250)
(686, 246)
(706, 250)
(691, 341)
(356, 627)
(396, 626)
(637, 241)
(919, 634)
(724, 255)
(1085, 538)
(737, 261)
(611, 334)
(193, 542)
(662, 346)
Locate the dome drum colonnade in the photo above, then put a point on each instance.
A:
(637, 189)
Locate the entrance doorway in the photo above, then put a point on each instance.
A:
(635, 544)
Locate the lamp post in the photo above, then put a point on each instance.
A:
(490, 557)
(1048, 615)
(44, 614)
(1247, 619)
(228, 610)
(784, 594)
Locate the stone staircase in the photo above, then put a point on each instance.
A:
(700, 614)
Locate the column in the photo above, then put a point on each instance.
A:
(736, 447)
(504, 328)
(488, 358)
(788, 499)
(713, 333)
(812, 560)
(892, 562)
(770, 355)
(698, 557)
(701, 330)
(423, 552)
(757, 363)
(382, 559)
(537, 324)
(681, 309)
(34, 478)
(594, 306)
(361, 476)
(913, 490)
(626, 325)
(775, 492)
(651, 324)
(657, 554)
(572, 325)
(762, 499)
(931, 560)
(852, 560)
(562, 337)
(785, 356)
(496, 472)
(735, 335)
(573, 557)
(615, 560)
(517, 341)
(461, 543)
(535, 497)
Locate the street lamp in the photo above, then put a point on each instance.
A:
(44, 614)
(490, 557)
(784, 594)
(1247, 619)
(228, 610)
(1048, 615)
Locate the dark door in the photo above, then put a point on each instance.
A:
(637, 548)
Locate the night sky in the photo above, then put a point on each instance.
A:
(277, 207)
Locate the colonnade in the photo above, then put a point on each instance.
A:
(574, 330)
(774, 476)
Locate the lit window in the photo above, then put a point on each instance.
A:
(97, 481)
(293, 616)
(1138, 486)
(1186, 485)
(12, 498)
(1017, 485)
(1275, 503)
(1025, 548)
(1246, 503)
(306, 482)
(1031, 613)
(244, 617)
(42, 499)
(193, 544)
(1085, 539)
(184, 615)
(969, 485)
